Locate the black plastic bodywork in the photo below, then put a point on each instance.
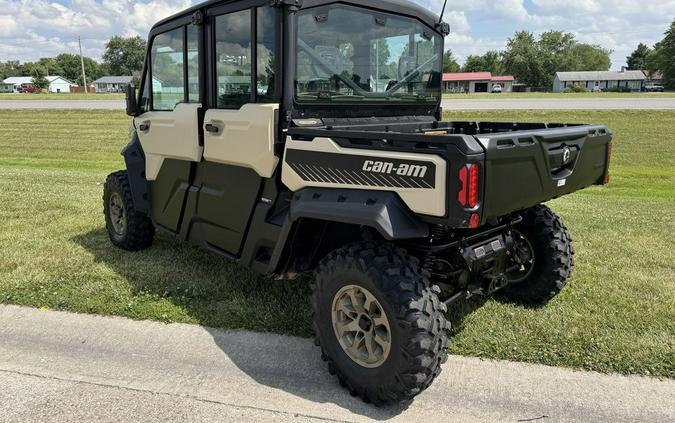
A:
(381, 210)
(134, 158)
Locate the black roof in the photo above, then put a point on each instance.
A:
(404, 7)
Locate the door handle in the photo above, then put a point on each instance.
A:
(144, 126)
(211, 128)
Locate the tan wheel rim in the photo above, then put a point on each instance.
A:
(118, 217)
(361, 326)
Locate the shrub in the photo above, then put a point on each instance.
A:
(576, 88)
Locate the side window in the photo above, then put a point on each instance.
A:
(266, 43)
(193, 63)
(233, 59)
(168, 76)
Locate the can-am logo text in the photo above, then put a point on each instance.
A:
(403, 169)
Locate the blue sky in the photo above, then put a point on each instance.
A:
(30, 29)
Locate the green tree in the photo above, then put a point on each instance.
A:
(555, 52)
(535, 61)
(72, 68)
(379, 59)
(591, 58)
(50, 66)
(663, 59)
(638, 58)
(522, 58)
(39, 80)
(124, 56)
(10, 68)
(450, 64)
(474, 63)
(493, 62)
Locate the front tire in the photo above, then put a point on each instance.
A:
(127, 229)
(545, 252)
(379, 322)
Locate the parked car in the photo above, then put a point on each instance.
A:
(497, 88)
(27, 89)
(653, 88)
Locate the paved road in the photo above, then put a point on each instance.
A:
(65, 367)
(453, 104)
(561, 104)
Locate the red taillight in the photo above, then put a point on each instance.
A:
(609, 159)
(469, 176)
(461, 197)
(475, 221)
(473, 186)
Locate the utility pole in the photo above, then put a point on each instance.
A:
(84, 76)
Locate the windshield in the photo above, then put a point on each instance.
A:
(350, 54)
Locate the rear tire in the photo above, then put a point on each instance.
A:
(553, 258)
(376, 294)
(127, 228)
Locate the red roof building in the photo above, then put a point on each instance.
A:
(476, 82)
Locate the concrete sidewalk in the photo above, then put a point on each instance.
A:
(68, 367)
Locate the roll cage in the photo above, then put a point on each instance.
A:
(286, 49)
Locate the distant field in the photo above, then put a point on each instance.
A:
(490, 96)
(62, 96)
(617, 315)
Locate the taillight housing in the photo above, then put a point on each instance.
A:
(609, 159)
(463, 179)
(469, 178)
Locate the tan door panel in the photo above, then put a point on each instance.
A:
(245, 137)
(169, 135)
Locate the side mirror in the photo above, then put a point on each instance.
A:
(132, 102)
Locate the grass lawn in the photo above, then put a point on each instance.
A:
(490, 96)
(62, 96)
(618, 313)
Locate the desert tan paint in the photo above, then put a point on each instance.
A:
(424, 201)
(245, 137)
(172, 135)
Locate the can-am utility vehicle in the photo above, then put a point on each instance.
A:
(296, 136)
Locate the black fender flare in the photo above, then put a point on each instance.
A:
(134, 157)
(380, 210)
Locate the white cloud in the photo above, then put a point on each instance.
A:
(618, 25)
(30, 29)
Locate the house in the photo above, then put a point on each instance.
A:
(57, 84)
(475, 82)
(6, 88)
(604, 80)
(112, 84)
